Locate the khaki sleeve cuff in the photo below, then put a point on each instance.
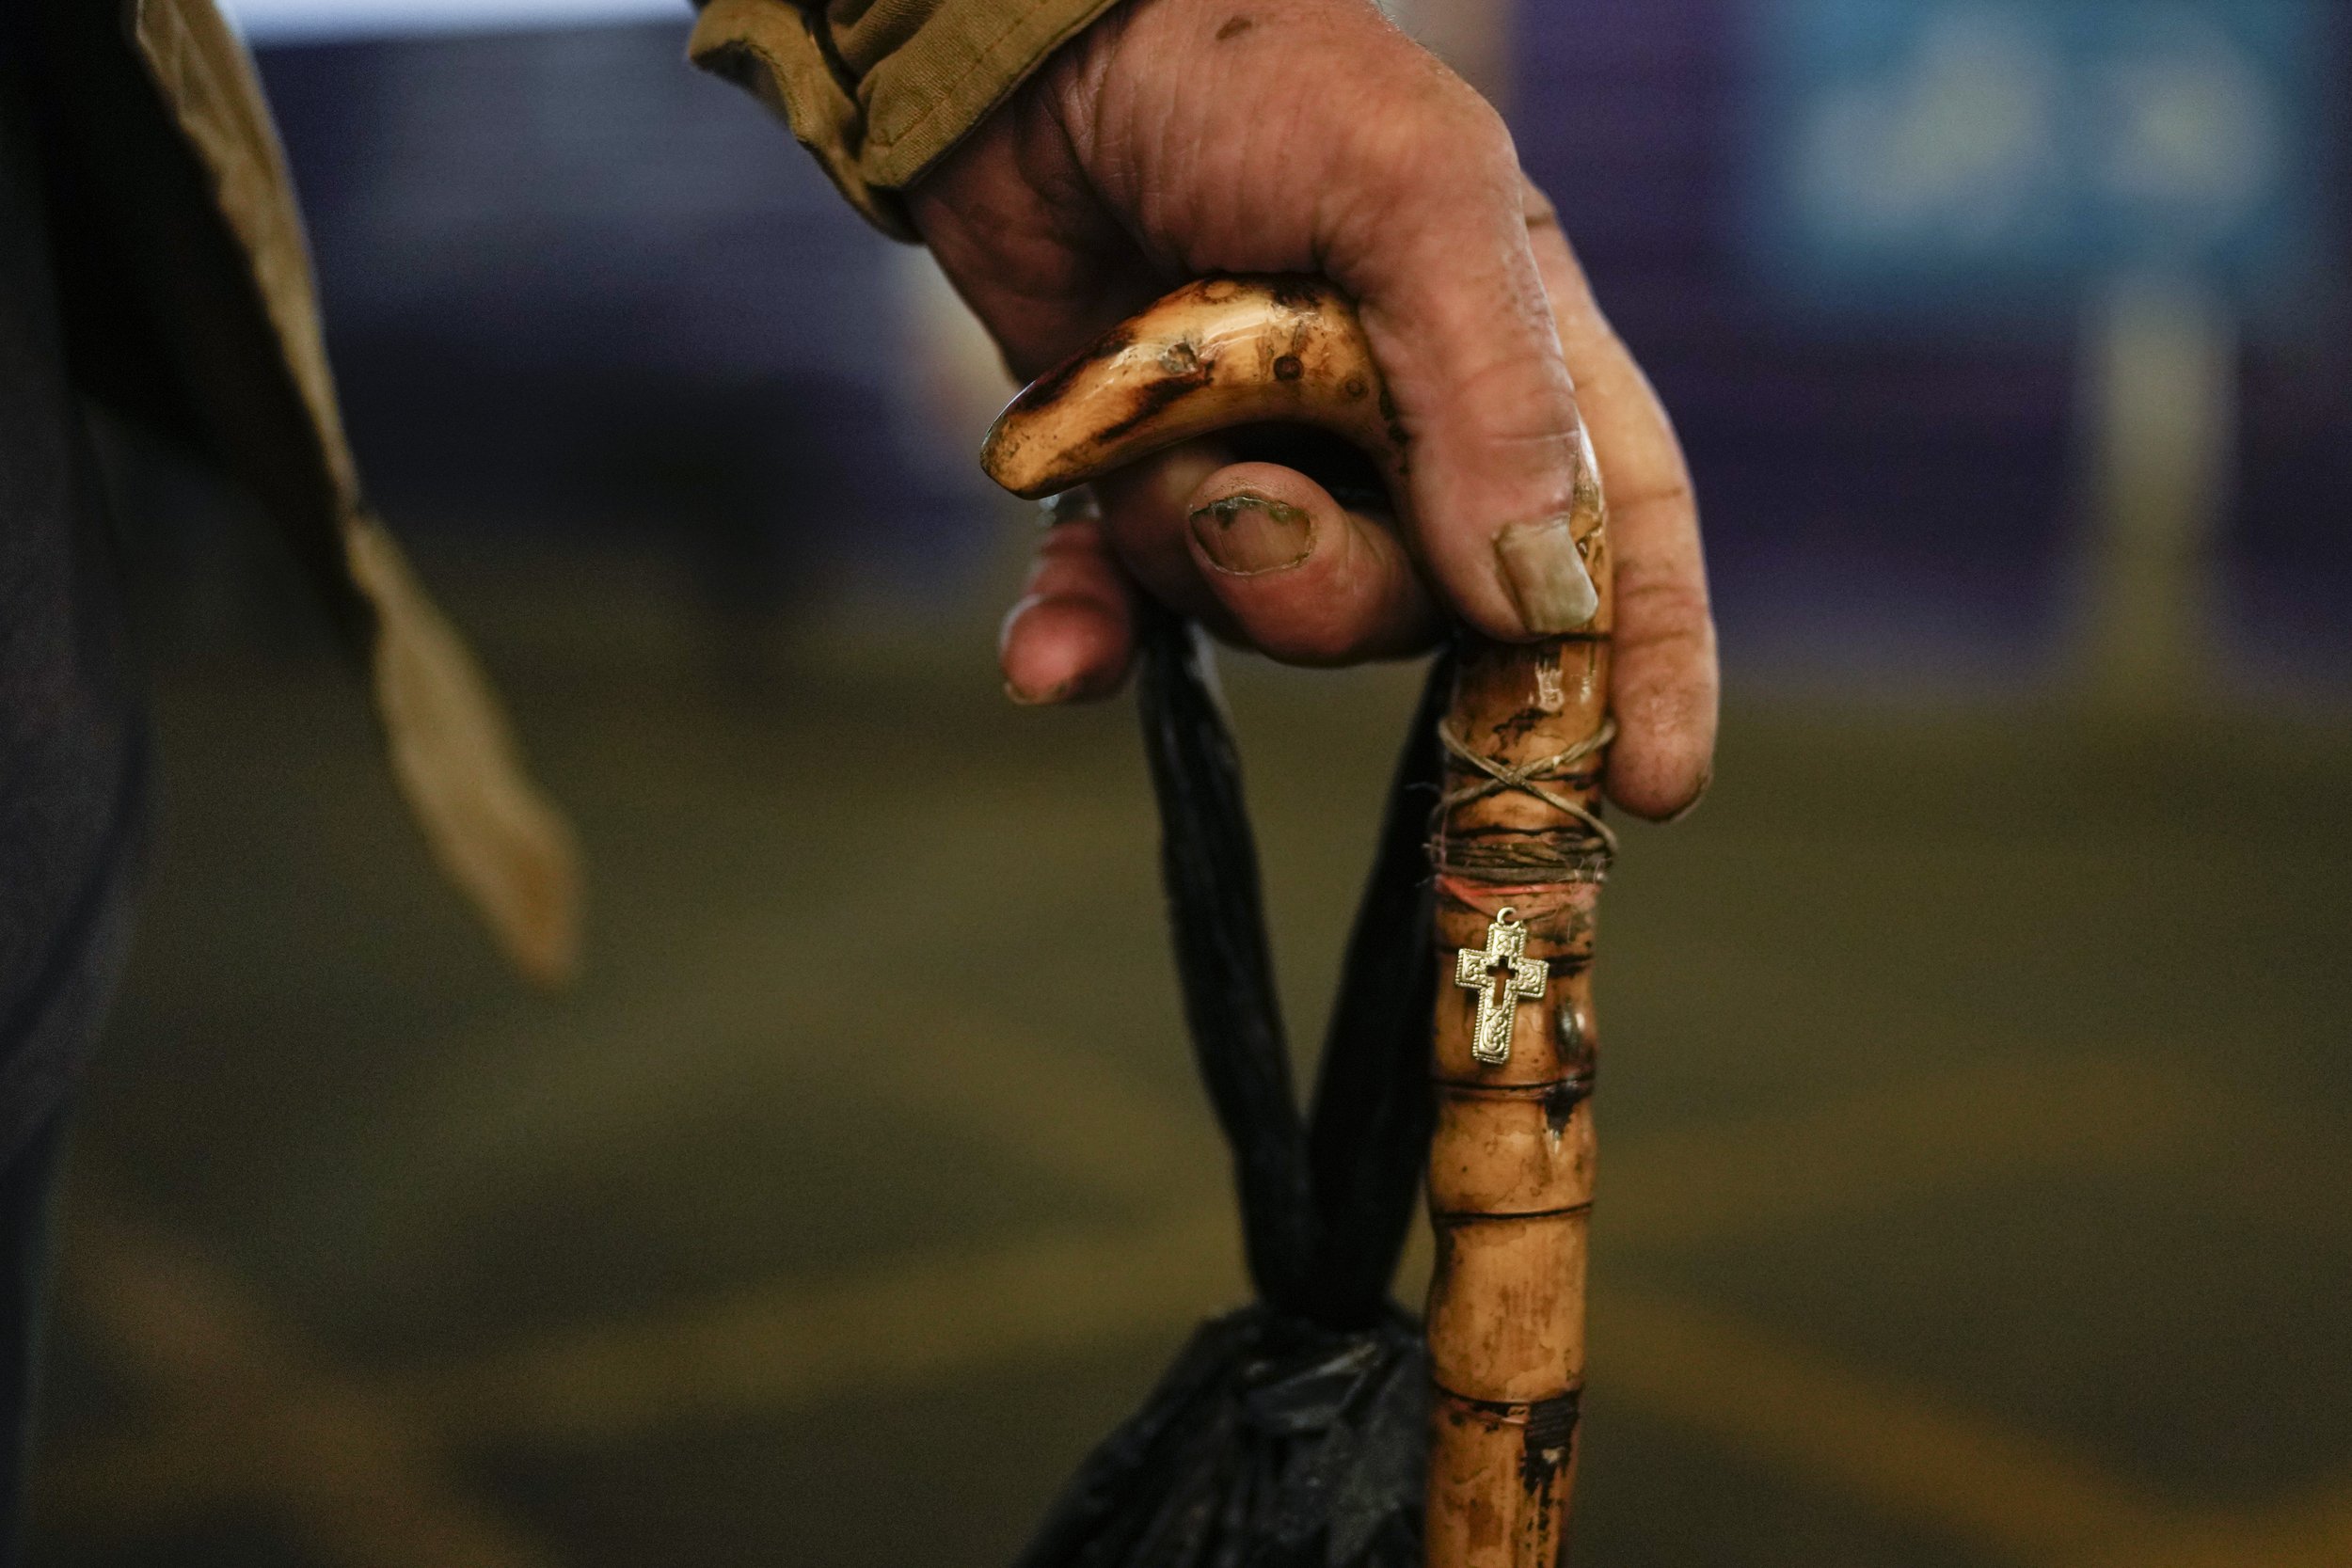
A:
(877, 126)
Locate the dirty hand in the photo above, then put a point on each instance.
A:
(1181, 137)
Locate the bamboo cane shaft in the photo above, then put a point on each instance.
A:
(1486, 1502)
(1506, 1308)
(1518, 1150)
(1511, 1166)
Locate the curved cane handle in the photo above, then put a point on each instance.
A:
(1517, 835)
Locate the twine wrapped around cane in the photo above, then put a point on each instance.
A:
(1285, 1434)
(1534, 778)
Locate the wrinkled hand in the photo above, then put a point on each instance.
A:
(1180, 137)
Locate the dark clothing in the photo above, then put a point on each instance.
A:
(72, 786)
(72, 781)
(25, 1186)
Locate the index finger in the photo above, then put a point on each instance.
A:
(1426, 229)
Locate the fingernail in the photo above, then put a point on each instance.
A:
(1046, 698)
(1250, 535)
(1546, 576)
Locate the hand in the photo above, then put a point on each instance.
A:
(1180, 137)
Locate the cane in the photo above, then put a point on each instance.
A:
(1517, 853)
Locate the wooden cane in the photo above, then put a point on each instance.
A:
(1517, 851)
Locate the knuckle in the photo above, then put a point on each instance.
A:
(1520, 428)
(1657, 610)
(1437, 138)
(1670, 493)
(1525, 394)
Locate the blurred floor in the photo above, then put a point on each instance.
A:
(1976, 1126)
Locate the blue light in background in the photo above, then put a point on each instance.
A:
(1951, 158)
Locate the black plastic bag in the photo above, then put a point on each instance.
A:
(1291, 1431)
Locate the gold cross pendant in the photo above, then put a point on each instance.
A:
(1503, 975)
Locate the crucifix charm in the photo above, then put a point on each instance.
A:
(1502, 976)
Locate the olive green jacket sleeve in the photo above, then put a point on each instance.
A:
(878, 89)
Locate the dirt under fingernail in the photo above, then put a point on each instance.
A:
(1248, 535)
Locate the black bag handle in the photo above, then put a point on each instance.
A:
(1325, 1202)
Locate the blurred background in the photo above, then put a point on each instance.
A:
(1977, 1106)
